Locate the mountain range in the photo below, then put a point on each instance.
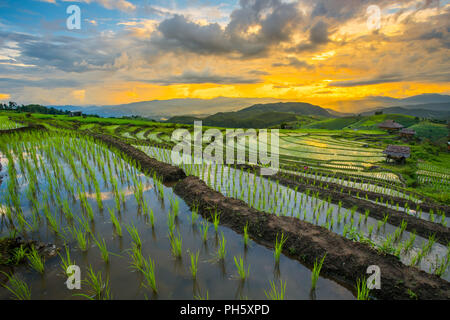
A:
(425, 105)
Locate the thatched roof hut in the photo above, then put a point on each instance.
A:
(398, 153)
(390, 125)
(407, 132)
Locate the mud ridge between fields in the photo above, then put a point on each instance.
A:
(167, 172)
(346, 261)
(23, 129)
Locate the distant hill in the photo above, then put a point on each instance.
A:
(259, 115)
(299, 108)
(429, 110)
(240, 120)
(164, 109)
(362, 122)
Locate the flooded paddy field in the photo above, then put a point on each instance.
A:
(107, 217)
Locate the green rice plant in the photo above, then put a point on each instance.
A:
(243, 274)
(171, 223)
(316, 271)
(66, 261)
(442, 266)
(200, 297)
(133, 231)
(115, 222)
(426, 247)
(175, 204)
(246, 236)
(98, 289)
(279, 247)
(204, 230)
(273, 293)
(176, 245)
(36, 261)
(194, 264)
(216, 220)
(221, 250)
(362, 289)
(19, 254)
(410, 242)
(137, 257)
(148, 270)
(370, 231)
(103, 249)
(18, 288)
(82, 239)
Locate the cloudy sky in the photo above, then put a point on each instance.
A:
(317, 51)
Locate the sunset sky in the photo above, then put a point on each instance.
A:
(317, 51)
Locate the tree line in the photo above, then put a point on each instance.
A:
(31, 108)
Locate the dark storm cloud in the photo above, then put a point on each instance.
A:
(195, 77)
(9, 83)
(277, 21)
(294, 62)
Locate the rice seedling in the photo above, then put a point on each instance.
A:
(18, 288)
(103, 249)
(316, 271)
(216, 220)
(274, 293)
(19, 254)
(82, 239)
(136, 257)
(176, 245)
(148, 270)
(243, 274)
(204, 230)
(221, 250)
(194, 264)
(115, 222)
(132, 230)
(36, 261)
(246, 236)
(279, 247)
(66, 261)
(362, 289)
(98, 289)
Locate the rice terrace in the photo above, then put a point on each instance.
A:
(123, 197)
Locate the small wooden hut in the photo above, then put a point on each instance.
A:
(390, 125)
(407, 133)
(75, 113)
(397, 153)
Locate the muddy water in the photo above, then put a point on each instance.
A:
(267, 195)
(217, 279)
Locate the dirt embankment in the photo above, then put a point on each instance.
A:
(23, 129)
(346, 261)
(167, 172)
(7, 253)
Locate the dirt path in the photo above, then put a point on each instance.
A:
(346, 260)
